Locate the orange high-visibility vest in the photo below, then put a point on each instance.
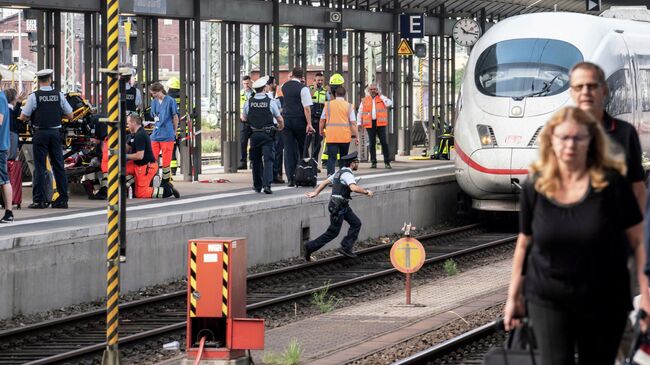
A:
(337, 121)
(381, 112)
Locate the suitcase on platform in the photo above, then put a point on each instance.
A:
(307, 168)
(15, 170)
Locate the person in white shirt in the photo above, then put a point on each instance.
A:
(373, 116)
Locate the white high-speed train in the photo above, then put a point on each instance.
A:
(517, 77)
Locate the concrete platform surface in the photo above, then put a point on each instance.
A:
(350, 333)
(237, 187)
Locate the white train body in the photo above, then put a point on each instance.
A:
(505, 97)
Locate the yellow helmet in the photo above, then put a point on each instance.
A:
(336, 79)
(173, 83)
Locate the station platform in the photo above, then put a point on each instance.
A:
(52, 258)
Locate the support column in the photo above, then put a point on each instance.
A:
(396, 84)
(431, 90)
(230, 86)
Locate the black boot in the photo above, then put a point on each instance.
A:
(101, 194)
(169, 190)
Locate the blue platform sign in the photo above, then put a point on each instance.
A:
(411, 25)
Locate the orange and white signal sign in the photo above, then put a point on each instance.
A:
(407, 255)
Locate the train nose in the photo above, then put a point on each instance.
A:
(493, 170)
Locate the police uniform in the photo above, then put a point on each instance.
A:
(46, 107)
(340, 211)
(259, 112)
(318, 97)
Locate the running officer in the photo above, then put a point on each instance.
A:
(343, 184)
(165, 115)
(46, 107)
(258, 114)
(141, 164)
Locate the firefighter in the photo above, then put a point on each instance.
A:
(340, 124)
(164, 110)
(373, 114)
(46, 107)
(336, 80)
(343, 184)
(141, 166)
(318, 97)
(261, 113)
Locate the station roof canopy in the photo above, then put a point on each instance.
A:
(493, 8)
(365, 15)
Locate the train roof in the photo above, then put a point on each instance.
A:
(582, 30)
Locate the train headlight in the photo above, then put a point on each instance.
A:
(486, 135)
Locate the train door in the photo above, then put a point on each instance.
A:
(639, 51)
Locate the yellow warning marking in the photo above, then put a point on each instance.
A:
(404, 48)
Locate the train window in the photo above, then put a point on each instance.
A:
(620, 98)
(530, 67)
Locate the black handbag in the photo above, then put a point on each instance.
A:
(519, 348)
(307, 169)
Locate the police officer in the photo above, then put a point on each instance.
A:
(244, 94)
(318, 97)
(132, 94)
(296, 111)
(258, 114)
(343, 184)
(46, 107)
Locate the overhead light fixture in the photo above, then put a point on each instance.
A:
(19, 6)
(348, 29)
(215, 20)
(127, 14)
(286, 25)
(534, 3)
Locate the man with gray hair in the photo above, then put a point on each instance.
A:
(373, 116)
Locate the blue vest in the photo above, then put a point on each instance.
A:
(292, 104)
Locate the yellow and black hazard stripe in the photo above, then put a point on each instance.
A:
(224, 282)
(193, 249)
(13, 67)
(113, 97)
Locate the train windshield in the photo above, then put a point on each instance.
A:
(520, 68)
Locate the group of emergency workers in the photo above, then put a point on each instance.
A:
(282, 126)
(143, 150)
(313, 116)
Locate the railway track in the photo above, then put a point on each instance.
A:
(62, 340)
(466, 349)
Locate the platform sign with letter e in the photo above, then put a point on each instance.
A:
(593, 5)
